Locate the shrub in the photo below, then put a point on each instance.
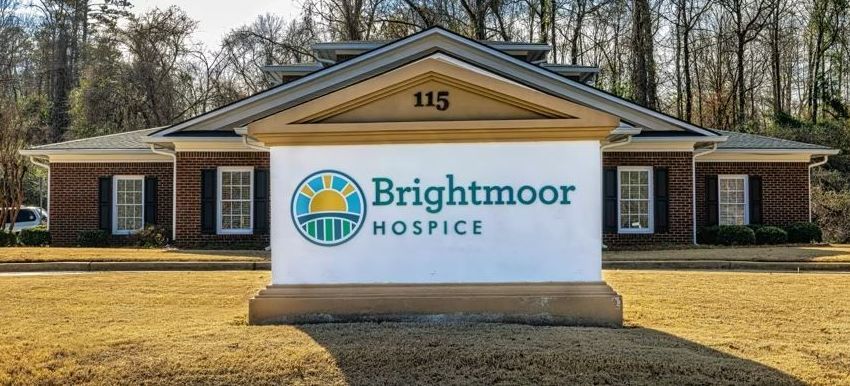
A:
(708, 235)
(804, 232)
(8, 239)
(735, 235)
(755, 227)
(35, 237)
(152, 236)
(92, 238)
(771, 235)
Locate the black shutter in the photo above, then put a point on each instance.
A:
(711, 208)
(104, 207)
(662, 200)
(208, 201)
(150, 200)
(261, 201)
(755, 200)
(609, 200)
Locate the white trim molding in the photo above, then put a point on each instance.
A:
(650, 221)
(220, 206)
(742, 177)
(115, 179)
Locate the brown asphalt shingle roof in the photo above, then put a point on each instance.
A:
(127, 140)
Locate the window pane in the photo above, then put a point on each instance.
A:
(235, 200)
(634, 199)
(732, 205)
(129, 204)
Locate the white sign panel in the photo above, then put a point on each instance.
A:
(436, 213)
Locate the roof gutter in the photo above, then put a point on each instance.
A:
(173, 155)
(812, 166)
(694, 188)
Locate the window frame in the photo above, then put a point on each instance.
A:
(115, 179)
(746, 188)
(219, 201)
(650, 207)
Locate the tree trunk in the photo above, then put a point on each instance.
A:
(643, 69)
(740, 86)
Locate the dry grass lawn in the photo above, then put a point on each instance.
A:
(832, 253)
(189, 328)
(835, 253)
(31, 255)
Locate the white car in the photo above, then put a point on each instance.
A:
(28, 217)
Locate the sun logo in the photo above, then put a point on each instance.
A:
(328, 208)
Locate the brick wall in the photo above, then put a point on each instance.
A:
(189, 167)
(678, 165)
(74, 196)
(785, 188)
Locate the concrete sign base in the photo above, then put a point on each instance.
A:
(581, 303)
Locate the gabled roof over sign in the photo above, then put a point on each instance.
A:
(465, 104)
(401, 52)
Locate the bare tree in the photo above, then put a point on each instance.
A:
(13, 167)
(749, 18)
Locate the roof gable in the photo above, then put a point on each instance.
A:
(412, 48)
(435, 99)
(437, 88)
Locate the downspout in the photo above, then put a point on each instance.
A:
(243, 131)
(694, 189)
(251, 145)
(616, 144)
(46, 166)
(812, 166)
(173, 155)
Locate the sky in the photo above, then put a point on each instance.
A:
(216, 17)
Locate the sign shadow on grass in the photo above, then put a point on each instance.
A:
(475, 353)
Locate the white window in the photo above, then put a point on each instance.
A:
(733, 200)
(235, 194)
(128, 200)
(634, 192)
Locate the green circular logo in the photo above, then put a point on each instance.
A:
(328, 208)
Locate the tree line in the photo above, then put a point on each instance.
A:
(77, 68)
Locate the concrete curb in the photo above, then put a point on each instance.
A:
(728, 265)
(103, 266)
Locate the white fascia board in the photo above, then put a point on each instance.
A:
(418, 46)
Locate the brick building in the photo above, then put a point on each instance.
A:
(207, 179)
